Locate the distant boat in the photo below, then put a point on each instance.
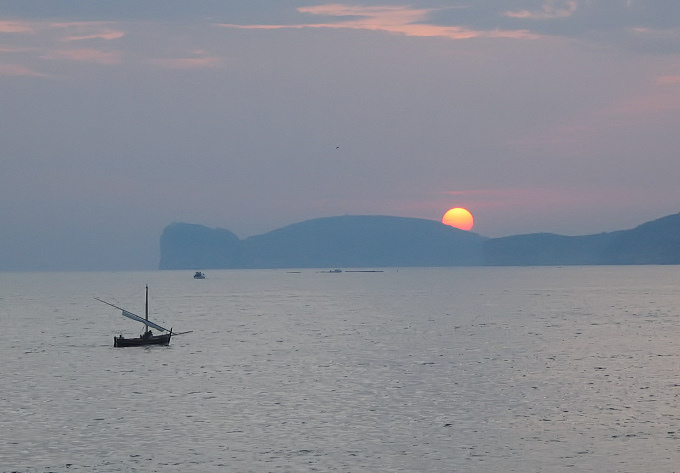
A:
(199, 275)
(146, 338)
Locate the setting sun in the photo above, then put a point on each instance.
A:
(458, 218)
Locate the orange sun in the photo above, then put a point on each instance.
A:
(459, 218)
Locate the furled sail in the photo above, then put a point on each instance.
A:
(142, 320)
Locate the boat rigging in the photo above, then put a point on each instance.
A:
(146, 338)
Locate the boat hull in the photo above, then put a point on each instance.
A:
(120, 342)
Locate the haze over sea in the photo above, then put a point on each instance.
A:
(448, 369)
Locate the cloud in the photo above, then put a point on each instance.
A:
(93, 42)
(29, 42)
(634, 24)
(76, 30)
(18, 70)
(542, 198)
(86, 30)
(9, 26)
(391, 19)
(668, 80)
(107, 35)
(550, 10)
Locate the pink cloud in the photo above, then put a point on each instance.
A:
(655, 34)
(44, 36)
(663, 97)
(392, 19)
(540, 198)
(83, 30)
(550, 10)
(668, 80)
(80, 31)
(16, 27)
(17, 70)
(503, 198)
(13, 49)
(106, 35)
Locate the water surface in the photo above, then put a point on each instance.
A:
(457, 369)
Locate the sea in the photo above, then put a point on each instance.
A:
(485, 369)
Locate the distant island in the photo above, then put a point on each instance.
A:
(384, 241)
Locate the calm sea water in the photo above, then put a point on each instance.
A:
(462, 369)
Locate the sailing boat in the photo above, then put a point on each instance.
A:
(147, 338)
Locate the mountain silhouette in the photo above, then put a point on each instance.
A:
(384, 241)
(655, 242)
(348, 241)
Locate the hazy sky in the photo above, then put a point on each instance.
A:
(120, 117)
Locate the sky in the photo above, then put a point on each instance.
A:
(121, 117)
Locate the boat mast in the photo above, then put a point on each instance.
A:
(146, 306)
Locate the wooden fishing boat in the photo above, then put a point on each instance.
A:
(146, 338)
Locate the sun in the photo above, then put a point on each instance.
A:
(459, 218)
